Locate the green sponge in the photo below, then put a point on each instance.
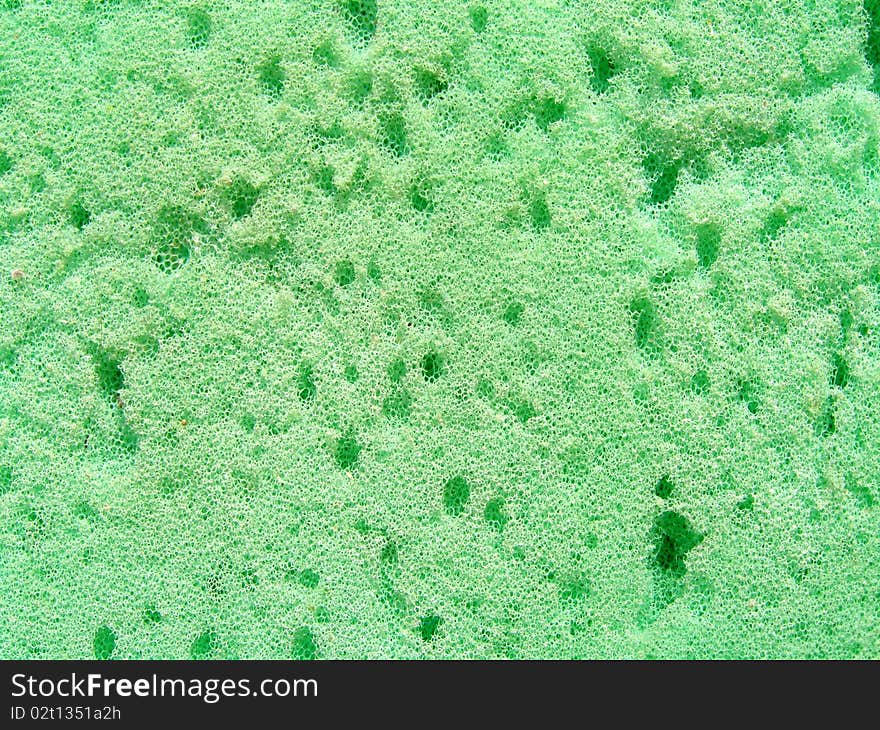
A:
(348, 329)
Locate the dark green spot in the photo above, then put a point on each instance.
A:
(523, 410)
(479, 18)
(5, 479)
(673, 539)
(700, 382)
(496, 514)
(456, 494)
(394, 135)
(304, 647)
(272, 76)
(663, 174)
(539, 213)
(84, 511)
(347, 451)
(428, 84)
(428, 626)
(104, 643)
(203, 645)
(512, 313)
(198, 27)
(708, 244)
(345, 273)
(308, 578)
(663, 488)
(362, 16)
(325, 55)
(306, 385)
(645, 320)
(420, 199)
(747, 503)
(747, 392)
(547, 111)
(603, 70)
(396, 370)
(839, 371)
(432, 366)
(389, 554)
(398, 403)
(242, 196)
(574, 589)
(79, 216)
(861, 492)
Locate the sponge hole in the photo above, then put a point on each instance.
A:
(700, 382)
(496, 513)
(645, 316)
(242, 196)
(397, 370)
(272, 76)
(174, 231)
(198, 27)
(304, 647)
(428, 626)
(79, 216)
(389, 555)
(512, 313)
(773, 225)
(104, 643)
(5, 479)
(306, 389)
(398, 403)
(344, 273)
(839, 371)
(708, 244)
(748, 392)
(603, 69)
(663, 174)
(673, 539)
(456, 494)
(325, 55)
(362, 16)
(574, 589)
(479, 17)
(308, 578)
(169, 258)
(204, 645)
(347, 451)
(394, 136)
(547, 111)
(522, 409)
(421, 198)
(539, 212)
(110, 377)
(826, 424)
(433, 366)
(428, 84)
(663, 488)
(359, 87)
(5, 162)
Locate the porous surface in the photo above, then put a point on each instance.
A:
(372, 329)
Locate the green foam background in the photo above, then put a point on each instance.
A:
(421, 330)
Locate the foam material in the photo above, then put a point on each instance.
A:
(357, 329)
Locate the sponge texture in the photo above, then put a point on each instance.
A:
(489, 329)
